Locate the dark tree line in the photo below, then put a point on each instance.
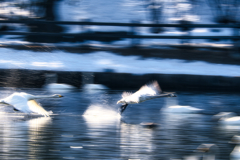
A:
(225, 11)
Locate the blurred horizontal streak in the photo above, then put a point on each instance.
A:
(125, 24)
(85, 35)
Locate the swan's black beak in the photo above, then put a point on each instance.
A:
(122, 108)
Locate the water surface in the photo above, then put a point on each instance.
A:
(102, 134)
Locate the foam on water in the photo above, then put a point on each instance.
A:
(100, 112)
(99, 116)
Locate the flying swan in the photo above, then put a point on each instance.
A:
(25, 102)
(146, 92)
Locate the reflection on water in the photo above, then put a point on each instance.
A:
(36, 128)
(21, 134)
(87, 126)
(136, 142)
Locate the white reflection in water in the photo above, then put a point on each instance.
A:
(136, 140)
(21, 133)
(59, 88)
(37, 125)
(182, 133)
(180, 129)
(35, 134)
(94, 87)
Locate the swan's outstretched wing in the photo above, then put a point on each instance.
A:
(18, 102)
(126, 94)
(22, 104)
(36, 108)
(150, 89)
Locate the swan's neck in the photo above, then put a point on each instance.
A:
(42, 96)
(164, 95)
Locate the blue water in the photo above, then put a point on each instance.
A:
(102, 134)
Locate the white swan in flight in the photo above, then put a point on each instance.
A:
(25, 102)
(146, 92)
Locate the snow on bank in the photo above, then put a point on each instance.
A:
(98, 61)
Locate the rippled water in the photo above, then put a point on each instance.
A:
(102, 134)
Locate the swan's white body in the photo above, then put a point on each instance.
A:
(181, 109)
(145, 93)
(25, 102)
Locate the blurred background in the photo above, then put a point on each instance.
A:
(184, 12)
(98, 49)
(164, 33)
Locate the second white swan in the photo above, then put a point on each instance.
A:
(26, 102)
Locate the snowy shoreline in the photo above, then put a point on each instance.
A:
(101, 61)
